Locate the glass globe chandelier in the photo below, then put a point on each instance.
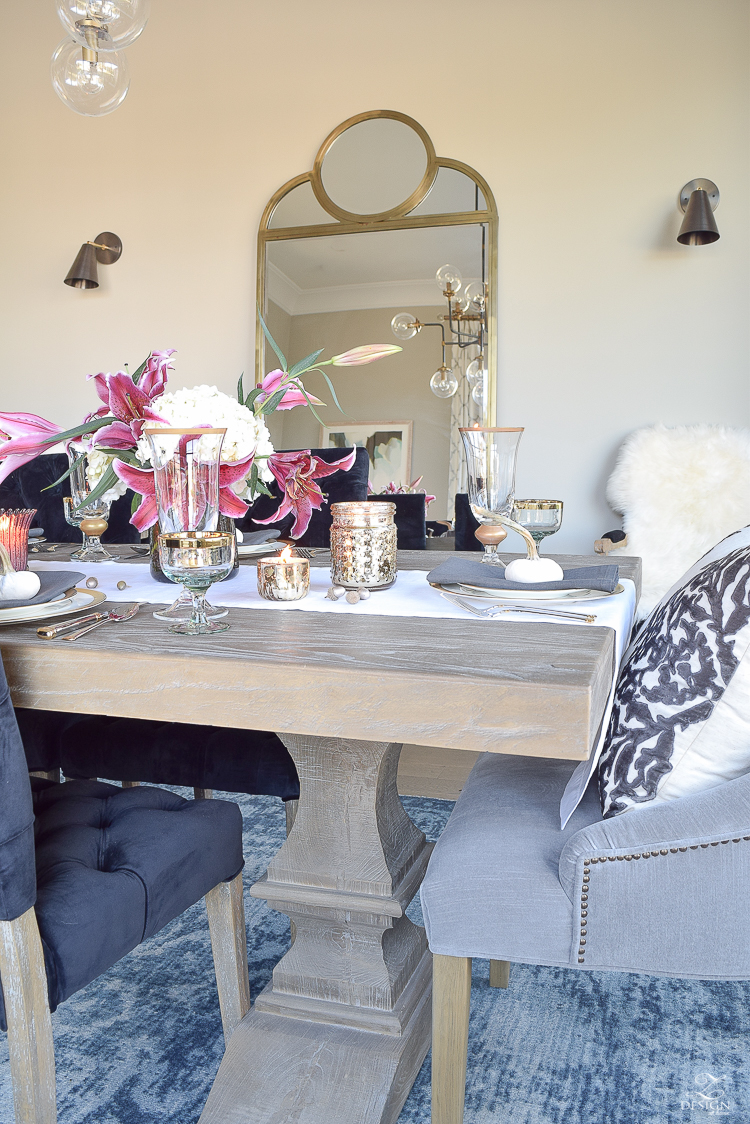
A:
(466, 320)
(89, 70)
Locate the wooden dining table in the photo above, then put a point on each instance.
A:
(339, 1034)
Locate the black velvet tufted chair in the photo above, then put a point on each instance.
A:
(26, 486)
(113, 867)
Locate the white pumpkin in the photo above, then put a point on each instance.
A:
(529, 570)
(16, 585)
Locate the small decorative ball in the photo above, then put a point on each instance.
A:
(94, 525)
(91, 583)
(122, 585)
(352, 596)
(364, 594)
(338, 590)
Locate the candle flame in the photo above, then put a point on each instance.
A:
(286, 554)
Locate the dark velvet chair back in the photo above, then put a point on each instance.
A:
(465, 525)
(411, 525)
(339, 487)
(25, 488)
(17, 874)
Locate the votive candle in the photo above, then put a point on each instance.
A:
(284, 577)
(14, 534)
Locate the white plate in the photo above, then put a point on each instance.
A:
(258, 549)
(518, 595)
(81, 599)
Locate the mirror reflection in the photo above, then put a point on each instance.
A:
(424, 280)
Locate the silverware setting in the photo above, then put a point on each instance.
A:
(115, 618)
(496, 610)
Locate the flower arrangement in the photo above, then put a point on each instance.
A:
(116, 451)
(392, 489)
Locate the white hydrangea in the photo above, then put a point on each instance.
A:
(207, 405)
(96, 465)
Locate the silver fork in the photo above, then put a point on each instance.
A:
(496, 610)
(111, 616)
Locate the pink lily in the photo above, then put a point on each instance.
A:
(154, 378)
(130, 405)
(293, 397)
(296, 473)
(367, 353)
(28, 436)
(142, 481)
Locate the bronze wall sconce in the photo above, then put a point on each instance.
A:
(106, 249)
(699, 199)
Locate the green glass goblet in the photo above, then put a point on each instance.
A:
(197, 559)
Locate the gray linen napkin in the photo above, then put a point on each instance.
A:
(54, 584)
(468, 572)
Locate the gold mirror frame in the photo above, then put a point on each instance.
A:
(397, 218)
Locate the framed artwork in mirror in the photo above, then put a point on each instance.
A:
(383, 238)
(388, 446)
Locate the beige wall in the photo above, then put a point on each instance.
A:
(586, 117)
(393, 389)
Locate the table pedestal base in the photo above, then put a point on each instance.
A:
(340, 1033)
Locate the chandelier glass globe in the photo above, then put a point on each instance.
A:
(478, 393)
(475, 292)
(111, 24)
(476, 371)
(444, 383)
(91, 88)
(449, 279)
(404, 326)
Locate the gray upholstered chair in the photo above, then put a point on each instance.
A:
(663, 890)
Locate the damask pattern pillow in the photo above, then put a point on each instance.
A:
(681, 717)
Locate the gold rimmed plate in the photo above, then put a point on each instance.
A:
(78, 600)
(518, 596)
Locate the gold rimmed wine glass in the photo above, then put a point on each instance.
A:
(197, 559)
(540, 517)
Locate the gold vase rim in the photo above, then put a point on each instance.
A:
(491, 429)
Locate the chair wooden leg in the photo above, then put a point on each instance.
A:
(226, 920)
(451, 995)
(203, 793)
(32, 1056)
(499, 973)
(52, 775)
(131, 784)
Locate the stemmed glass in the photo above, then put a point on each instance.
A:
(186, 474)
(197, 559)
(491, 462)
(90, 518)
(539, 517)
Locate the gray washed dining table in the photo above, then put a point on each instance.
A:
(341, 1031)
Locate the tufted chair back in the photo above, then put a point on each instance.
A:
(17, 877)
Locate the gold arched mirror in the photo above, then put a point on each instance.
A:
(357, 251)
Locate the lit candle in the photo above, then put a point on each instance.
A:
(14, 534)
(285, 577)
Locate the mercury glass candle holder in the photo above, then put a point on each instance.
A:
(14, 534)
(283, 577)
(363, 545)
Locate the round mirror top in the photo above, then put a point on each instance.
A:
(375, 166)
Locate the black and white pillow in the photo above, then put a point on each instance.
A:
(681, 716)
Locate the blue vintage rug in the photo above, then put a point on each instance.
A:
(142, 1044)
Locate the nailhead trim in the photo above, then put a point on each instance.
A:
(588, 863)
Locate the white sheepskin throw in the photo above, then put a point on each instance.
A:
(680, 491)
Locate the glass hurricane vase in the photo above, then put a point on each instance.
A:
(90, 518)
